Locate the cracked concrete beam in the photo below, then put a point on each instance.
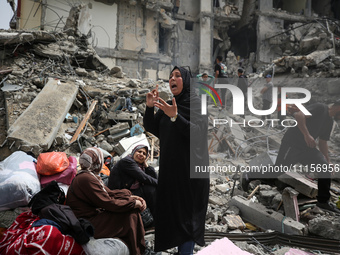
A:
(262, 217)
(38, 125)
(23, 37)
(284, 16)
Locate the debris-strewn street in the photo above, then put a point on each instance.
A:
(61, 92)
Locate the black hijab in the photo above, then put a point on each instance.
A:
(187, 102)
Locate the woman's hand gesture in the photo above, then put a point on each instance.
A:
(152, 97)
(170, 110)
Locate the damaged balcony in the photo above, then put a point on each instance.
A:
(226, 12)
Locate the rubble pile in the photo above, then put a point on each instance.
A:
(98, 106)
(308, 50)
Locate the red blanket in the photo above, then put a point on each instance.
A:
(22, 238)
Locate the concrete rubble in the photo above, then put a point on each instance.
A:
(35, 63)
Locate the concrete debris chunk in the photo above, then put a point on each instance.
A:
(119, 127)
(262, 217)
(120, 115)
(300, 183)
(290, 203)
(233, 222)
(324, 227)
(37, 127)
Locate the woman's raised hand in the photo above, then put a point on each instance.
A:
(170, 110)
(152, 97)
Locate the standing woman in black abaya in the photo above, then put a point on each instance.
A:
(181, 200)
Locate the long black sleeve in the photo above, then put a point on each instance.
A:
(130, 168)
(151, 120)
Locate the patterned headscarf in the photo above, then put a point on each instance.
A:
(138, 147)
(91, 159)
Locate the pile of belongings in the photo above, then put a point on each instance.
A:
(33, 217)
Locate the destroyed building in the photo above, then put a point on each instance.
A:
(146, 37)
(70, 74)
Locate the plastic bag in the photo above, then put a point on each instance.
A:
(65, 177)
(50, 163)
(18, 180)
(105, 246)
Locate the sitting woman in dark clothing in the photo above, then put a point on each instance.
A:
(113, 213)
(134, 173)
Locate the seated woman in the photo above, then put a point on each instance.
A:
(113, 213)
(134, 173)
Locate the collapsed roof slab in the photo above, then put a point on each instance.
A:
(262, 217)
(38, 125)
(285, 16)
(9, 37)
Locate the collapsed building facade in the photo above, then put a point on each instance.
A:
(83, 59)
(147, 37)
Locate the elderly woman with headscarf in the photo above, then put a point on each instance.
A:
(113, 213)
(133, 173)
(182, 193)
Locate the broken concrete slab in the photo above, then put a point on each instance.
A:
(308, 44)
(24, 37)
(266, 196)
(51, 51)
(324, 227)
(10, 87)
(262, 217)
(119, 115)
(134, 83)
(81, 71)
(119, 127)
(290, 203)
(300, 183)
(118, 136)
(38, 125)
(216, 201)
(318, 56)
(233, 221)
(106, 146)
(311, 59)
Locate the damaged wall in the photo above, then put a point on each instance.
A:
(137, 29)
(187, 48)
(267, 27)
(189, 9)
(103, 23)
(30, 15)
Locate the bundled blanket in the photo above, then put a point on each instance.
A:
(22, 238)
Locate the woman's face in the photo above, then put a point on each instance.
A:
(176, 82)
(140, 155)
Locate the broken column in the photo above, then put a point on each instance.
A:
(205, 32)
(290, 203)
